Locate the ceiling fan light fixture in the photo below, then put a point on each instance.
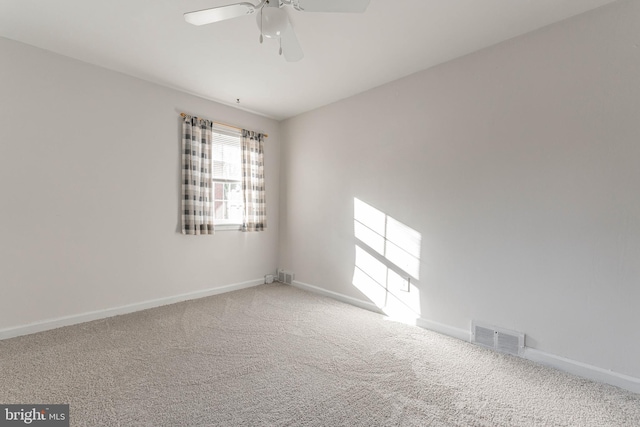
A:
(273, 21)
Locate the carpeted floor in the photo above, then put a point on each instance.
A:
(274, 355)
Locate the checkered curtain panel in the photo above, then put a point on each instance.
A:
(255, 210)
(197, 213)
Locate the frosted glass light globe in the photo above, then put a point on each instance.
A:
(274, 21)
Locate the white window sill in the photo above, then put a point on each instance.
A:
(227, 227)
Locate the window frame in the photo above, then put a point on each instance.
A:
(226, 224)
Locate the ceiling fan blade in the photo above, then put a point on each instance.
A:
(217, 14)
(291, 48)
(339, 6)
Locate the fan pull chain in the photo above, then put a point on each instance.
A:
(280, 45)
(261, 39)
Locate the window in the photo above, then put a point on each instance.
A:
(227, 178)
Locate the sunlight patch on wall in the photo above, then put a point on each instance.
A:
(370, 277)
(387, 236)
(387, 255)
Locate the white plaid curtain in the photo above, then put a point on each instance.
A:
(255, 211)
(197, 214)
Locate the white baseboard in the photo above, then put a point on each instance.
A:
(340, 297)
(423, 323)
(443, 329)
(583, 369)
(573, 367)
(110, 312)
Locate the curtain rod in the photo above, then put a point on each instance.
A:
(218, 123)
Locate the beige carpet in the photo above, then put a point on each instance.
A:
(278, 356)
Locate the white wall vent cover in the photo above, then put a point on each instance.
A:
(285, 277)
(502, 340)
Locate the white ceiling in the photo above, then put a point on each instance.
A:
(344, 53)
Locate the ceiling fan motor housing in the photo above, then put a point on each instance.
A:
(272, 20)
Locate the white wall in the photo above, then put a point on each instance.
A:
(90, 192)
(519, 166)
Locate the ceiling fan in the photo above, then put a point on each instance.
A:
(273, 20)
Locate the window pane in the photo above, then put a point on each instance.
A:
(236, 203)
(221, 210)
(218, 191)
(227, 176)
(225, 154)
(228, 201)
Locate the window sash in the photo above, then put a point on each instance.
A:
(227, 171)
(226, 156)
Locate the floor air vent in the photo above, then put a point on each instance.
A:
(285, 277)
(499, 339)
